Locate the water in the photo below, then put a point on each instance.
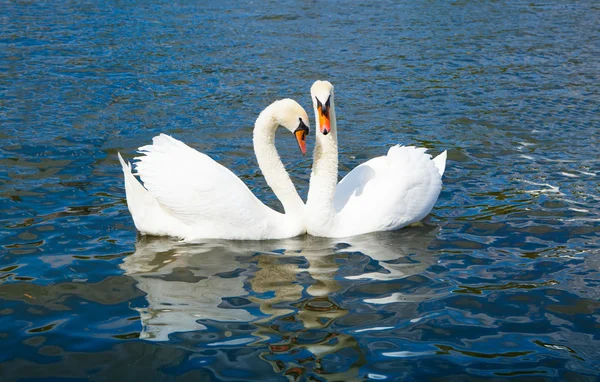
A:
(500, 281)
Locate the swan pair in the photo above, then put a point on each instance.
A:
(188, 195)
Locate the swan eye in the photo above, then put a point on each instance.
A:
(303, 126)
(323, 110)
(327, 103)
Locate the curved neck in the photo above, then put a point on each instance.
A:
(324, 176)
(270, 163)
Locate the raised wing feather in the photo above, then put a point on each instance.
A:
(388, 192)
(199, 191)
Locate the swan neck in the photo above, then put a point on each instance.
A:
(270, 163)
(324, 176)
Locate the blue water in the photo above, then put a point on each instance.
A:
(500, 281)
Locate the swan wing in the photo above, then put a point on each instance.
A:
(440, 162)
(199, 192)
(388, 192)
(149, 216)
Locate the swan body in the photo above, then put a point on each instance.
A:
(383, 194)
(187, 194)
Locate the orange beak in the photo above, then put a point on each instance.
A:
(323, 110)
(301, 138)
(324, 123)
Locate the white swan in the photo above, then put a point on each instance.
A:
(187, 194)
(382, 194)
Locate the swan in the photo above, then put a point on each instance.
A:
(188, 195)
(382, 194)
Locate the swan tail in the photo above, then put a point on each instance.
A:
(134, 191)
(440, 162)
(141, 203)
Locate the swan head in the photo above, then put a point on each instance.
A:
(322, 97)
(293, 117)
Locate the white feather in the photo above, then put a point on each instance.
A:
(387, 192)
(382, 194)
(187, 194)
(208, 198)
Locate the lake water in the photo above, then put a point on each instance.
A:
(500, 281)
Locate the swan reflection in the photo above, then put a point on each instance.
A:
(288, 290)
(183, 284)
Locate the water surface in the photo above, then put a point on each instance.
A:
(500, 281)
